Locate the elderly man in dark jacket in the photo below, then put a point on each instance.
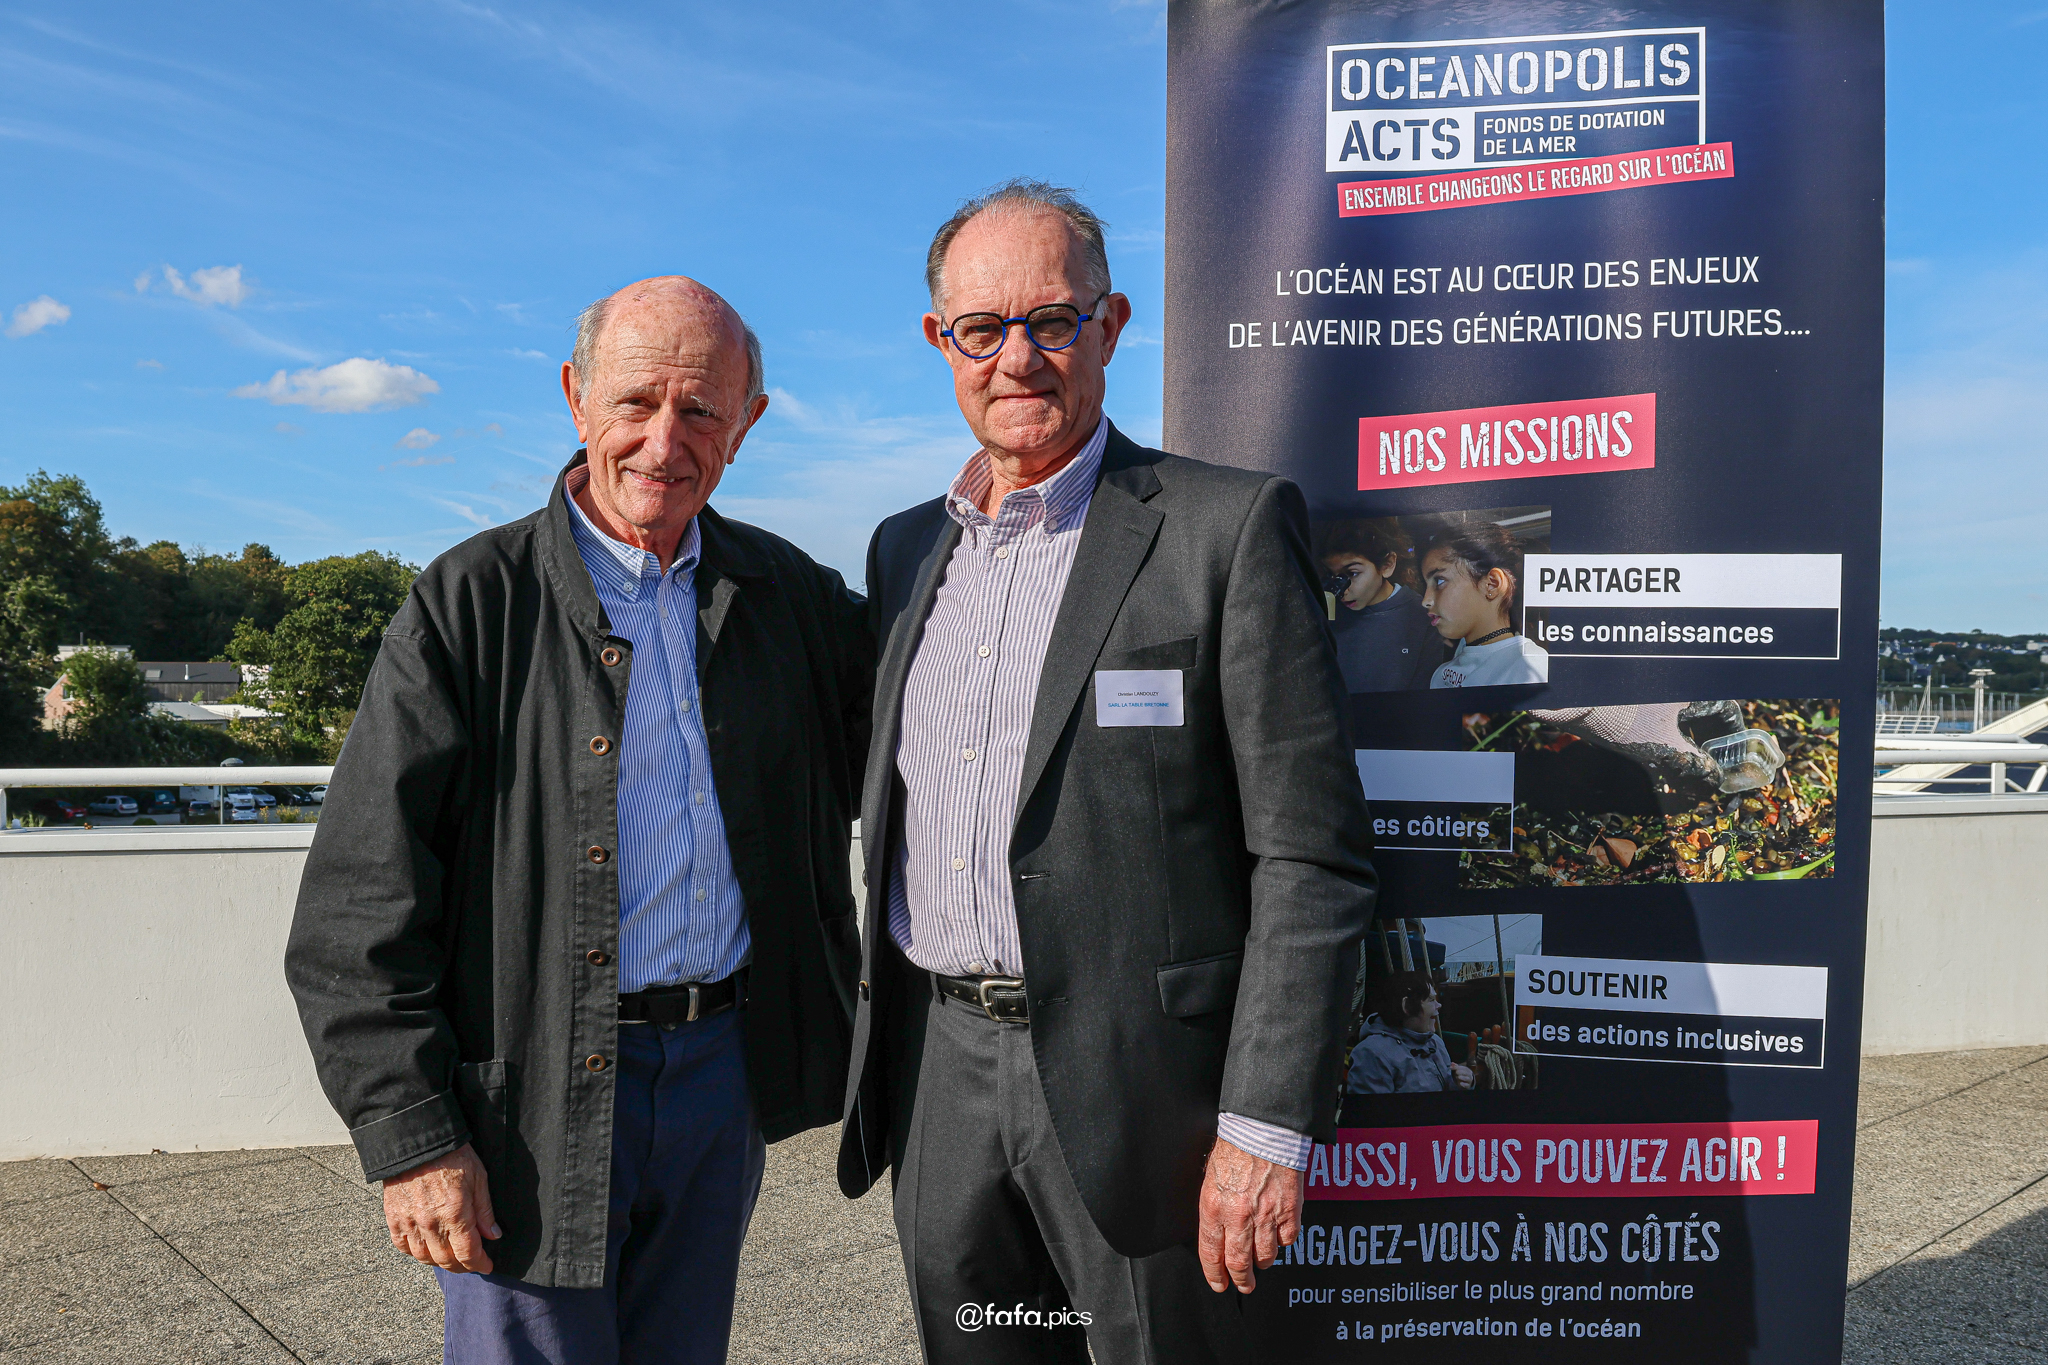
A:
(576, 934)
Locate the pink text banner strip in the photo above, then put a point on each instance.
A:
(1567, 1160)
(1594, 175)
(1519, 441)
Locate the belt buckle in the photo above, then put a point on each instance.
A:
(696, 998)
(988, 983)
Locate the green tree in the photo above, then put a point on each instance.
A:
(105, 690)
(319, 654)
(51, 528)
(32, 612)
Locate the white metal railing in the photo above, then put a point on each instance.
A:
(1905, 762)
(241, 775)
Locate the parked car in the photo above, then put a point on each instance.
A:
(318, 795)
(114, 804)
(58, 809)
(242, 808)
(196, 809)
(256, 794)
(158, 801)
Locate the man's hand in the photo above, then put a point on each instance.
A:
(439, 1212)
(1250, 1209)
(1462, 1075)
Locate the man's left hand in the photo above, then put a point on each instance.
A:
(1250, 1208)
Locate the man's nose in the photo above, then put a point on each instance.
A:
(1019, 357)
(662, 435)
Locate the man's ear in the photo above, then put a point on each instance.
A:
(933, 326)
(1116, 315)
(754, 411)
(575, 399)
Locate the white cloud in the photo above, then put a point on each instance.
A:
(356, 385)
(419, 438)
(149, 364)
(142, 282)
(528, 355)
(35, 315)
(207, 287)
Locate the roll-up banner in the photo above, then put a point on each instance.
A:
(1566, 319)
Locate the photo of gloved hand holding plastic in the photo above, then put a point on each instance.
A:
(1664, 792)
(1728, 755)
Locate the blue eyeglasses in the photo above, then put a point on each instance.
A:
(1054, 327)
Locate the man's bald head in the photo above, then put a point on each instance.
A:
(665, 294)
(664, 384)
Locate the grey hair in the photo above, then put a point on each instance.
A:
(1022, 192)
(590, 326)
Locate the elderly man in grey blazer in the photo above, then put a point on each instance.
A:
(1117, 853)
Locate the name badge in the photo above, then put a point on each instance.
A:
(1138, 696)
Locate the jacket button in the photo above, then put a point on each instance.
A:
(597, 957)
(610, 656)
(595, 1061)
(600, 746)
(863, 990)
(596, 854)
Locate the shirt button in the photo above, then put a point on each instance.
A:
(1002, 552)
(686, 703)
(700, 893)
(864, 990)
(698, 797)
(983, 651)
(596, 854)
(597, 957)
(595, 1061)
(967, 754)
(959, 864)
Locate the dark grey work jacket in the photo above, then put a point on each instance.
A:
(1190, 898)
(455, 950)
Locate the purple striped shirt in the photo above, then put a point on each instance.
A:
(966, 719)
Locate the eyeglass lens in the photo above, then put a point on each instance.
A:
(1052, 328)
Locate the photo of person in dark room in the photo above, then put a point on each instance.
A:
(1401, 1051)
(1471, 587)
(1385, 642)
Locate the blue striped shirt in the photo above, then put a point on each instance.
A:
(681, 915)
(966, 719)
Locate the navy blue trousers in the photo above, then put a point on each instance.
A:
(686, 1165)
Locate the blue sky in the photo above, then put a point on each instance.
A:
(304, 275)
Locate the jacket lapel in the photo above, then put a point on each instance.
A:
(722, 562)
(891, 677)
(1115, 541)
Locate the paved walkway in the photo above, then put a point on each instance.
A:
(275, 1256)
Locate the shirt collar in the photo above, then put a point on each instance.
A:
(1065, 495)
(617, 566)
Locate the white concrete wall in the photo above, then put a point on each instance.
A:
(145, 1006)
(1958, 949)
(144, 997)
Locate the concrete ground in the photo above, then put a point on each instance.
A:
(275, 1256)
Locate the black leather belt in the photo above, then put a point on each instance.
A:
(1001, 998)
(672, 1005)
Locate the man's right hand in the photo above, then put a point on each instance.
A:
(440, 1212)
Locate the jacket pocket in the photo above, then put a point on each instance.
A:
(1166, 654)
(480, 1088)
(1203, 986)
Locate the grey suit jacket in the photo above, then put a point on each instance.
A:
(1190, 899)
